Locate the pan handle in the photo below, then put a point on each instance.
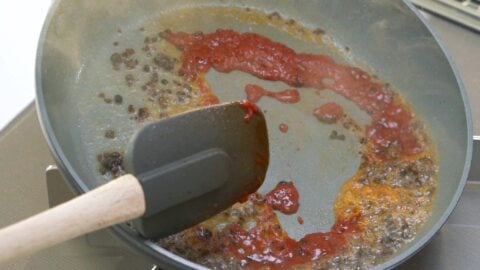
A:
(117, 201)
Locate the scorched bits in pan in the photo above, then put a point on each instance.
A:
(377, 210)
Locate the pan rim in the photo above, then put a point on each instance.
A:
(169, 259)
(423, 241)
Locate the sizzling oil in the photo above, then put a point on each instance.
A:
(388, 199)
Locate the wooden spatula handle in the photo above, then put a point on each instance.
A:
(119, 200)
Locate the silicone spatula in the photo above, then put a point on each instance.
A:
(181, 171)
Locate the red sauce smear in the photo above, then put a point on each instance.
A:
(300, 220)
(283, 127)
(227, 50)
(284, 198)
(267, 245)
(256, 92)
(329, 112)
(250, 110)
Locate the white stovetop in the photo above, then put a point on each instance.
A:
(20, 25)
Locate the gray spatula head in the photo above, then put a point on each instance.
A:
(196, 164)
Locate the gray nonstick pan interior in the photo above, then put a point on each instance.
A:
(383, 37)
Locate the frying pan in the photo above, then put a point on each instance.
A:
(384, 37)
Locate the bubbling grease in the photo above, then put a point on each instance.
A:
(377, 211)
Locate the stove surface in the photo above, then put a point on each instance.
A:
(24, 157)
(465, 12)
